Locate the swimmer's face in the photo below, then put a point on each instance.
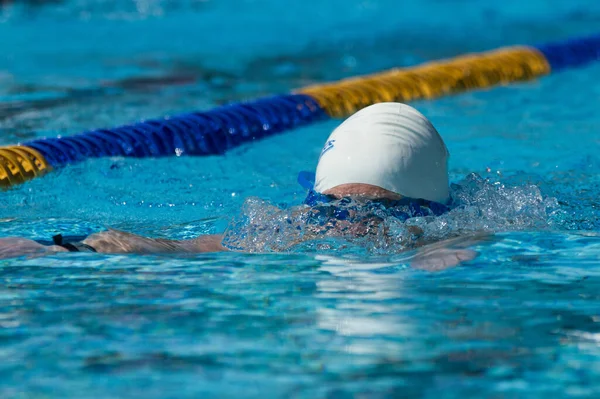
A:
(355, 223)
(361, 190)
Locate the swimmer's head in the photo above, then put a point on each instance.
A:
(386, 146)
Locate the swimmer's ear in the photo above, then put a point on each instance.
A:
(306, 179)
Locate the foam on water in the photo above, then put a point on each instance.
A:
(478, 205)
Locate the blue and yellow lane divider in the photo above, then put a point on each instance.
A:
(216, 131)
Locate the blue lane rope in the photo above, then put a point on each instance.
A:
(201, 133)
(571, 53)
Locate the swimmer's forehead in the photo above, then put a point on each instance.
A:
(361, 190)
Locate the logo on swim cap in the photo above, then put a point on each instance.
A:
(328, 146)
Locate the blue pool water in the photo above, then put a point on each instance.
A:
(520, 320)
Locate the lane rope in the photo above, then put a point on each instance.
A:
(218, 130)
(431, 80)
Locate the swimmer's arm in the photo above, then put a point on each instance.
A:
(12, 247)
(119, 242)
(113, 241)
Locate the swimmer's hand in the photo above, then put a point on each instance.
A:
(442, 258)
(448, 253)
(120, 242)
(13, 247)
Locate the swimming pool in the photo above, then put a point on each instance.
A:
(521, 320)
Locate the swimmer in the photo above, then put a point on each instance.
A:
(387, 154)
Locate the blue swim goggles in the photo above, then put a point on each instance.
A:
(402, 209)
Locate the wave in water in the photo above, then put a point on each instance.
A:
(478, 205)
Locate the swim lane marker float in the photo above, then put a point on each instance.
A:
(215, 131)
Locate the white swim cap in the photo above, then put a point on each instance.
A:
(389, 145)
